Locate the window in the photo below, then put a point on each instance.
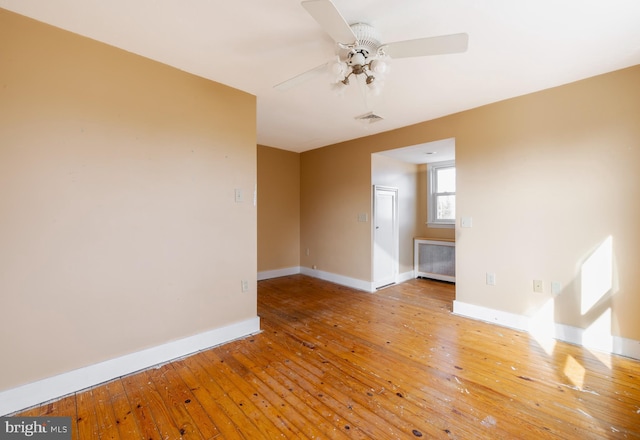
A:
(441, 199)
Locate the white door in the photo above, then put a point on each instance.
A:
(385, 236)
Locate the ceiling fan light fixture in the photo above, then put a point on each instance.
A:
(357, 59)
(378, 66)
(338, 68)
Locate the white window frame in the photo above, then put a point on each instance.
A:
(432, 221)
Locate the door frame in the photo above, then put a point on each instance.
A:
(396, 235)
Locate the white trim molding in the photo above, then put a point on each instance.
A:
(355, 283)
(277, 273)
(573, 335)
(328, 276)
(35, 393)
(367, 286)
(406, 276)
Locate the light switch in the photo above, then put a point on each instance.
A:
(466, 222)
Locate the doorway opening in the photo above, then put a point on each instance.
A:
(406, 170)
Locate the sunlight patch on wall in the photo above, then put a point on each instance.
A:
(596, 276)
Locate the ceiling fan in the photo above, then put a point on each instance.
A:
(360, 52)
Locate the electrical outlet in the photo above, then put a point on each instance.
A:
(491, 279)
(308, 252)
(537, 286)
(245, 285)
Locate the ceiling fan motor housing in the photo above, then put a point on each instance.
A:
(367, 43)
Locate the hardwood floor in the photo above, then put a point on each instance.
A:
(334, 363)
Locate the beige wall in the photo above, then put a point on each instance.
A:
(335, 186)
(278, 209)
(119, 229)
(546, 177)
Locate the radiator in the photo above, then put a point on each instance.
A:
(435, 259)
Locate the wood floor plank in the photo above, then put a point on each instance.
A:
(383, 366)
(336, 363)
(248, 420)
(123, 411)
(282, 379)
(107, 426)
(88, 424)
(378, 379)
(270, 392)
(266, 417)
(66, 407)
(62, 407)
(187, 414)
(202, 420)
(358, 422)
(354, 392)
(457, 376)
(284, 311)
(162, 410)
(303, 409)
(141, 412)
(212, 399)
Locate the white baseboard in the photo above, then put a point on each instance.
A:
(367, 286)
(354, 283)
(406, 276)
(574, 335)
(499, 317)
(28, 395)
(328, 276)
(277, 273)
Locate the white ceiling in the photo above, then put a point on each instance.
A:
(429, 152)
(515, 47)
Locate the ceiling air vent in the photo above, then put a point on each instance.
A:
(369, 118)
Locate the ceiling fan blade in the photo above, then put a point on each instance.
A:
(443, 44)
(301, 78)
(327, 16)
